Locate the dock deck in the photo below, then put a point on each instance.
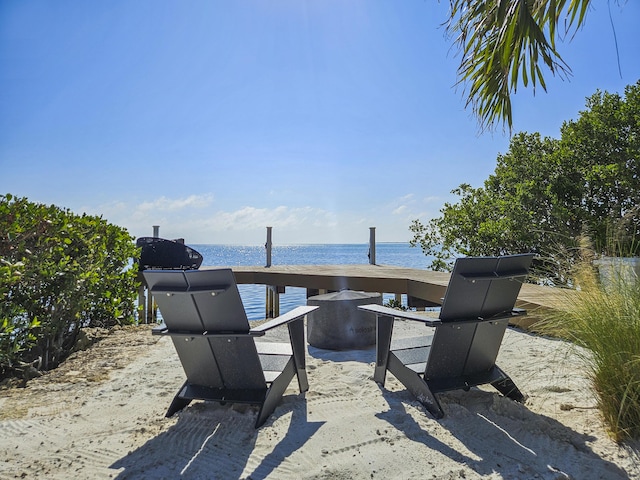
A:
(426, 285)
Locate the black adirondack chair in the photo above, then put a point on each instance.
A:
(461, 354)
(204, 316)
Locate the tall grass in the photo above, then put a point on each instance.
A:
(604, 319)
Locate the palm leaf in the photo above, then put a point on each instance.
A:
(502, 43)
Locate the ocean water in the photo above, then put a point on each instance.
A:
(253, 296)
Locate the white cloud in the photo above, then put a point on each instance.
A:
(164, 204)
(400, 210)
(432, 199)
(195, 219)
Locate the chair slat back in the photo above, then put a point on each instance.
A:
(481, 293)
(511, 272)
(218, 300)
(483, 287)
(464, 298)
(208, 301)
(449, 350)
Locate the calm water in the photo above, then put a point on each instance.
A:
(253, 296)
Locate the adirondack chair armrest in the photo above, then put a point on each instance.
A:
(392, 312)
(285, 318)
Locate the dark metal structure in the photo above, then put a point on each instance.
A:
(478, 304)
(204, 316)
(159, 253)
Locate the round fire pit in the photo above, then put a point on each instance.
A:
(338, 324)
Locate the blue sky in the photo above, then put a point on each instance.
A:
(215, 119)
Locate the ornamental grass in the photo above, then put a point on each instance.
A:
(603, 317)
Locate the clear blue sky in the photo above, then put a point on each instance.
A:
(215, 119)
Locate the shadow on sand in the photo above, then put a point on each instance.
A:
(534, 442)
(212, 441)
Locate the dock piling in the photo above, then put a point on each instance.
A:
(372, 245)
(268, 246)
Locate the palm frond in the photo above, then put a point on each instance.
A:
(502, 44)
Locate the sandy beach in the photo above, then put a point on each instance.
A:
(101, 415)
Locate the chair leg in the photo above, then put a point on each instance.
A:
(506, 387)
(178, 402)
(275, 392)
(296, 336)
(384, 330)
(416, 385)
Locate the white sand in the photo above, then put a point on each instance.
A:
(101, 415)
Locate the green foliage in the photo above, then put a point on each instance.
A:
(60, 272)
(604, 319)
(545, 193)
(605, 144)
(16, 330)
(393, 303)
(503, 43)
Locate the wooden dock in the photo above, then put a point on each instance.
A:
(421, 285)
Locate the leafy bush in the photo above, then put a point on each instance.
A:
(604, 319)
(393, 303)
(16, 330)
(545, 193)
(59, 272)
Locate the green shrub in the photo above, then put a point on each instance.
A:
(393, 303)
(16, 329)
(604, 319)
(61, 272)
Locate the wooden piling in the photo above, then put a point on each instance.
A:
(372, 245)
